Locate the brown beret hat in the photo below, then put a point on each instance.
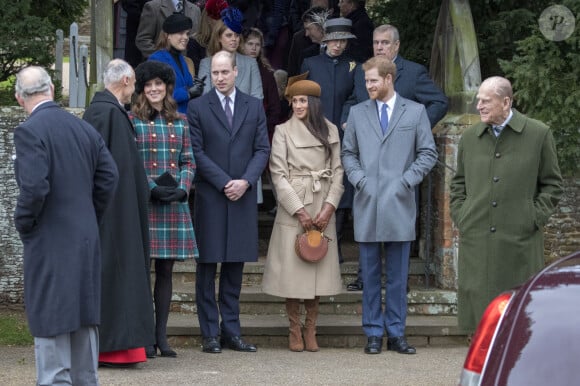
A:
(299, 85)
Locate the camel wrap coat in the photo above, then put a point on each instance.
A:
(303, 177)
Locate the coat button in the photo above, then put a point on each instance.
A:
(155, 164)
(154, 150)
(495, 179)
(172, 165)
(494, 203)
(172, 135)
(154, 135)
(492, 229)
(497, 155)
(172, 150)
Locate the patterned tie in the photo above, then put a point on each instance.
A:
(384, 118)
(179, 6)
(228, 111)
(497, 130)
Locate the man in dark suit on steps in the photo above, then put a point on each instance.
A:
(230, 143)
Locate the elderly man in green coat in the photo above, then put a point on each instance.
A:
(507, 185)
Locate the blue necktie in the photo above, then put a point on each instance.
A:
(228, 110)
(384, 118)
(497, 130)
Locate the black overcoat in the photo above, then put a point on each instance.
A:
(127, 305)
(227, 231)
(66, 177)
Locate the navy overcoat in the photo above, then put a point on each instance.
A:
(227, 231)
(66, 178)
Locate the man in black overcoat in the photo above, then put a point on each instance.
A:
(127, 305)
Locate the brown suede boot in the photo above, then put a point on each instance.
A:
(295, 342)
(311, 306)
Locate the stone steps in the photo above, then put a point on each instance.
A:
(332, 330)
(254, 302)
(184, 272)
(431, 321)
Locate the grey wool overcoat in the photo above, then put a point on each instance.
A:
(384, 169)
(303, 177)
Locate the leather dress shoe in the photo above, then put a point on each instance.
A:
(211, 345)
(167, 352)
(236, 343)
(356, 285)
(374, 345)
(400, 345)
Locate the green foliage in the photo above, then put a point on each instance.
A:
(61, 13)
(545, 76)
(415, 21)
(24, 39)
(13, 330)
(27, 31)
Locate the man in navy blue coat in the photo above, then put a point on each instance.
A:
(230, 143)
(66, 179)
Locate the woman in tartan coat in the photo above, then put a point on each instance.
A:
(165, 148)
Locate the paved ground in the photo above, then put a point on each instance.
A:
(432, 366)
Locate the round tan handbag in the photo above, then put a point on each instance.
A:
(311, 246)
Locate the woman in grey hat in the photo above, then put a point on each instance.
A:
(334, 71)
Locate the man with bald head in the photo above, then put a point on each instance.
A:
(507, 185)
(66, 179)
(230, 143)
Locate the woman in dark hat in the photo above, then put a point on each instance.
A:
(165, 148)
(226, 36)
(307, 174)
(335, 72)
(170, 47)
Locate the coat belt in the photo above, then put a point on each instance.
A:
(314, 182)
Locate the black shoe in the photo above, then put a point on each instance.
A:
(356, 285)
(400, 345)
(374, 345)
(150, 352)
(236, 343)
(167, 352)
(211, 345)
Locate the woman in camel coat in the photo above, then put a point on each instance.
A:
(307, 175)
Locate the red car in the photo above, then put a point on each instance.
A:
(531, 334)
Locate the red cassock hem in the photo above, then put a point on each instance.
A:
(134, 355)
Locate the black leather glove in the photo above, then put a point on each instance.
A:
(178, 195)
(197, 88)
(162, 193)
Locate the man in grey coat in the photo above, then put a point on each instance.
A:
(66, 178)
(387, 150)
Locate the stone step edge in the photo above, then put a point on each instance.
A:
(277, 325)
(417, 267)
(186, 293)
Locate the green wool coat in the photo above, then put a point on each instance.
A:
(502, 195)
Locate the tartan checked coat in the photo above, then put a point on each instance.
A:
(165, 147)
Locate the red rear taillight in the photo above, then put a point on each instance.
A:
(485, 332)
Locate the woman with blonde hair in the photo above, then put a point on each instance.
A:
(226, 36)
(307, 173)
